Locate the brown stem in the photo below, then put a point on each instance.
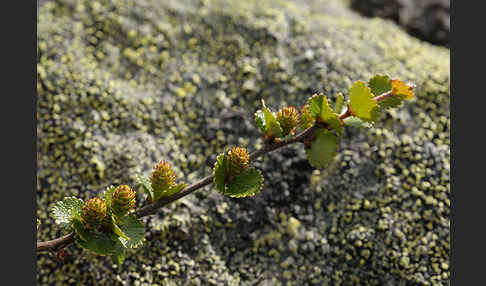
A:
(55, 244)
(152, 208)
(346, 113)
(383, 96)
(63, 241)
(58, 243)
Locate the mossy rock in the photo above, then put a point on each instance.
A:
(125, 84)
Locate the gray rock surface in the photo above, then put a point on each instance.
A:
(124, 84)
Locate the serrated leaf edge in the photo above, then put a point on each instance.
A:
(58, 205)
(251, 194)
(368, 97)
(221, 188)
(125, 242)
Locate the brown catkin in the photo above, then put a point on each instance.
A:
(306, 119)
(288, 117)
(238, 160)
(163, 177)
(123, 200)
(94, 211)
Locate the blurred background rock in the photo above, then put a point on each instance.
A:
(428, 20)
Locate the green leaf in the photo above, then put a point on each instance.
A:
(134, 230)
(271, 124)
(330, 117)
(356, 122)
(315, 105)
(391, 102)
(38, 223)
(108, 193)
(118, 255)
(219, 173)
(79, 228)
(306, 119)
(117, 230)
(323, 149)
(380, 84)
(362, 103)
(99, 243)
(175, 189)
(170, 191)
(146, 185)
(130, 231)
(338, 106)
(260, 120)
(63, 211)
(246, 184)
(319, 107)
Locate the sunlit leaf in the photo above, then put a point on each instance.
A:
(399, 88)
(338, 106)
(362, 103)
(356, 122)
(63, 211)
(260, 120)
(271, 124)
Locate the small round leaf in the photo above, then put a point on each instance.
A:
(246, 184)
(323, 149)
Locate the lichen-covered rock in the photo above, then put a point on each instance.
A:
(124, 84)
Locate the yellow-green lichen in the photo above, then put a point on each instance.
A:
(124, 84)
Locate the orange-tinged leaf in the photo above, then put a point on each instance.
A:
(401, 89)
